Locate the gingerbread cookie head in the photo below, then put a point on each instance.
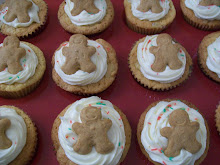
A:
(78, 55)
(209, 2)
(18, 9)
(92, 132)
(87, 5)
(153, 5)
(5, 143)
(166, 54)
(10, 55)
(181, 134)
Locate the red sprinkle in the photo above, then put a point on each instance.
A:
(15, 142)
(122, 147)
(120, 118)
(73, 138)
(180, 51)
(196, 118)
(164, 163)
(67, 137)
(108, 112)
(29, 50)
(90, 105)
(71, 122)
(155, 149)
(149, 41)
(158, 118)
(98, 46)
(108, 49)
(149, 123)
(188, 109)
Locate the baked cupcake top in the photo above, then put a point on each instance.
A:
(76, 116)
(85, 12)
(205, 9)
(18, 61)
(161, 129)
(213, 59)
(161, 59)
(13, 135)
(81, 61)
(151, 10)
(12, 14)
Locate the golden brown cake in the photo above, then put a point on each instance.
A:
(72, 138)
(19, 139)
(22, 67)
(208, 56)
(89, 68)
(160, 67)
(204, 14)
(86, 17)
(161, 140)
(149, 17)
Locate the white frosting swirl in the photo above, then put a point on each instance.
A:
(146, 59)
(80, 77)
(116, 133)
(154, 144)
(149, 15)
(32, 12)
(203, 12)
(85, 18)
(17, 133)
(29, 63)
(213, 59)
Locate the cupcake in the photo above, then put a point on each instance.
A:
(84, 66)
(149, 17)
(173, 132)
(91, 131)
(18, 136)
(217, 118)
(202, 14)
(209, 56)
(159, 62)
(86, 17)
(22, 18)
(22, 66)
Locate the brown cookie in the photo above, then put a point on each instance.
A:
(93, 88)
(152, 84)
(145, 26)
(28, 152)
(61, 156)
(202, 24)
(10, 55)
(14, 10)
(87, 5)
(78, 55)
(92, 132)
(5, 142)
(153, 5)
(141, 126)
(86, 29)
(203, 54)
(209, 2)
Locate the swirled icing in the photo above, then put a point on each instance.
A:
(154, 144)
(116, 133)
(17, 133)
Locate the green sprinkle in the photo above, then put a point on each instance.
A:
(10, 78)
(170, 158)
(197, 110)
(69, 129)
(100, 103)
(183, 109)
(24, 60)
(182, 55)
(178, 100)
(18, 77)
(119, 144)
(3, 17)
(162, 151)
(171, 108)
(164, 110)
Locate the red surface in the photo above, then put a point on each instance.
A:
(48, 100)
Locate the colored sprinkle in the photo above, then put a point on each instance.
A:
(10, 78)
(24, 60)
(170, 158)
(15, 142)
(180, 51)
(122, 147)
(183, 109)
(18, 77)
(99, 103)
(108, 112)
(182, 55)
(24, 65)
(120, 118)
(3, 17)
(119, 144)
(149, 123)
(71, 122)
(162, 151)
(174, 104)
(155, 149)
(57, 61)
(178, 100)
(158, 118)
(67, 137)
(29, 50)
(142, 48)
(69, 129)
(164, 110)
(120, 125)
(188, 109)
(73, 138)
(197, 110)
(98, 46)
(90, 105)
(157, 73)
(149, 41)
(108, 49)
(164, 163)
(196, 118)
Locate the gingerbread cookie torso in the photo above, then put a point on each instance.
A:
(22, 67)
(86, 16)
(22, 18)
(84, 66)
(91, 131)
(159, 63)
(18, 136)
(173, 132)
(149, 16)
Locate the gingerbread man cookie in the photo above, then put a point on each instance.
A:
(210, 2)
(10, 55)
(18, 9)
(87, 5)
(166, 53)
(78, 55)
(181, 134)
(4, 141)
(92, 132)
(153, 5)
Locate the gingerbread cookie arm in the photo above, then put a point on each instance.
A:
(175, 63)
(4, 141)
(106, 123)
(83, 145)
(166, 132)
(76, 11)
(23, 17)
(104, 145)
(193, 146)
(77, 128)
(173, 149)
(195, 126)
(91, 8)
(158, 65)
(10, 16)
(143, 8)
